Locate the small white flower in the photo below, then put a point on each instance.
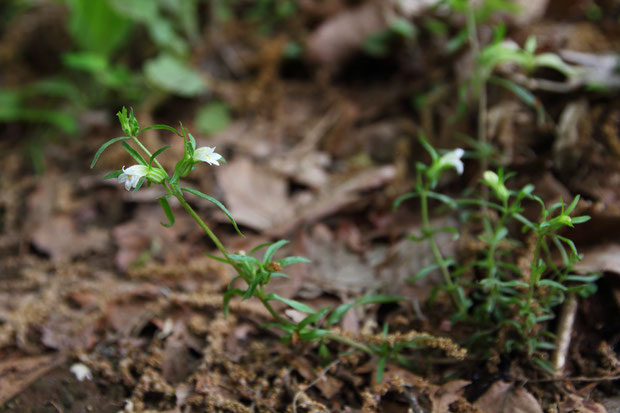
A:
(81, 372)
(132, 175)
(453, 159)
(207, 154)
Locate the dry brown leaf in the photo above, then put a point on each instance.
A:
(60, 238)
(600, 258)
(446, 394)
(17, 374)
(254, 195)
(68, 333)
(574, 403)
(505, 397)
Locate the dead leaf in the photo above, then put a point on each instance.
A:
(600, 258)
(60, 238)
(178, 362)
(505, 397)
(255, 196)
(68, 333)
(446, 394)
(574, 403)
(17, 374)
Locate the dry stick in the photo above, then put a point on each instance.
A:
(315, 381)
(565, 329)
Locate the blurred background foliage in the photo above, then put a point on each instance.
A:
(66, 58)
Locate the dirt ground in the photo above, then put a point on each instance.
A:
(318, 148)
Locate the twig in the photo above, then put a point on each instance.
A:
(565, 329)
(579, 378)
(314, 382)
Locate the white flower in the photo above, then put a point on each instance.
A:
(206, 154)
(132, 175)
(453, 159)
(81, 372)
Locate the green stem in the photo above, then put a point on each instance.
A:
(137, 141)
(349, 342)
(174, 191)
(436, 253)
(534, 272)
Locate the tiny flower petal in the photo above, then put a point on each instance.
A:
(81, 372)
(453, 158)
(207, 154)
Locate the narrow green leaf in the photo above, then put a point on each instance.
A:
(251, 288)
(104, 147)
(227, 296)
(285, 262)
(313, 318)
(165, 127)
(220, 259)
(291, 303)
(380, 368)
(272, 250)
(165, 206)
(264, 244)
(403, 198)
(218, 204)
(157, 152)
(134, 154)
(114, 174)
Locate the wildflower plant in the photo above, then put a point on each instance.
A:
(312, 326)
(506, 301)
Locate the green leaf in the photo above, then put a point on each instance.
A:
(165, 206)
(157, 152)
(212, 117)
(256, 248)
(114, 174)
(245, 258)
(423, 273)
(218, 204)
(291, 303)
(220, 259)
(285, 262)
(380, 368)
(174, 75)
(403, 198)
(341, 310)
(313, 318)
(251, 288)
(104, 147)
(227, 296)
(553, 284)
(165, 127)
(272, 250)
(134, 154)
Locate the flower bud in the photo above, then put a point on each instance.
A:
(156, 175)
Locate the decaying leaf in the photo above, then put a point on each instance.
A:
(503, 397)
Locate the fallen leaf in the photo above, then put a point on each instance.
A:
(255, 196)
(574, 403)
(505, 397)
(16, 374)
(60, 238)
(446, 394)
(68, 333)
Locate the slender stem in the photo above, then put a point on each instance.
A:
(172, 190)
(436, 253)
(137, 141)
(349, 342)
(534, 272)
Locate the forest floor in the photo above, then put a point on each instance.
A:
(317, 153)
